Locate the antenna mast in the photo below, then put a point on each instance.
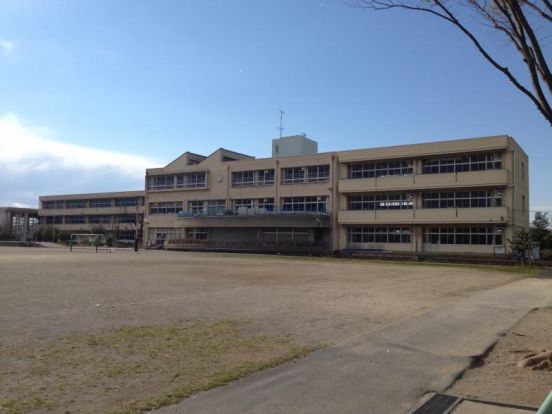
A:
(281, 128)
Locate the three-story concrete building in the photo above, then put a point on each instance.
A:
(462, 196)
(119, 213)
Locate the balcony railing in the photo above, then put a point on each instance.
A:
(249, 212)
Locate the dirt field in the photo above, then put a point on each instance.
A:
(48, 292)
(59, 304)
(499, 379)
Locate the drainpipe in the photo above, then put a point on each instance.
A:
(513, 189)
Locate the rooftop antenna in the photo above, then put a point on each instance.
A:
(281, 128)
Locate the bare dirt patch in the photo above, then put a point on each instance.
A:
(132, 369)
(51, 292)
(52, 300)
(497, 378)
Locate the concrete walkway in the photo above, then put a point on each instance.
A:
(386, 371)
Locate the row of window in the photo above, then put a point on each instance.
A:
(103, 219)
(252, 178)
(310, 174)
(447, 199)
(294, 175)
(482, 235)
(460, 163)
(464, 235)
(184, 180)
(379, 169)
(463, 199)
(383, 201)
(96, 203)
(381, 234)
(218, 207)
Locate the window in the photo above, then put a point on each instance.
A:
(216, 207)
(461, 163)
(379, 234)
(252, 178)
(195, 207)
(384, 201)
(522, 171)
(482, 235)
(75, 219)
(192, 180)
(75, 204)
(159, 235)
(243, 178)
(310, 174)
(243, 204)
(186, 180)
(54, 204)
(256, 205)
(170, 207)
(126, 236)
(99, 219)
(161, 182)
(126, 219)
(318, 173)
(126, 202)
(463, 199)
(380, 169)
(100, 203)
(293, 175)
(207, 207)
(304, 204)
(285, 235)
(54, 219)
(196, 233)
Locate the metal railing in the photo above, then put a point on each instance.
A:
(248, 212)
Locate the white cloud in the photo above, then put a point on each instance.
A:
(33, 162)
(6, 46)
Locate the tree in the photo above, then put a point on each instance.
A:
(520, 22)
(522, 243)
(138, 225)
(540, 230)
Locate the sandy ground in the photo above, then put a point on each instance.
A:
(48, 292)
(498, 378)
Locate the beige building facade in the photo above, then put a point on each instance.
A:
(460, 196)
(119, 213)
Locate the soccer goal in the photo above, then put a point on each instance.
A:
(86, 240)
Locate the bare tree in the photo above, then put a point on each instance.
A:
(524, 23)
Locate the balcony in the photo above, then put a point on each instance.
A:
(488, 178)
(91, 211)
(254, 218)
(425, 216)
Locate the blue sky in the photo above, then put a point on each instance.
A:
(84, 84)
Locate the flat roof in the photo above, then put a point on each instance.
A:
(114, 194)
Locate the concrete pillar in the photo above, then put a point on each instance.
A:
(25, 236)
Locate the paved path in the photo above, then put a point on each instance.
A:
(383, 372)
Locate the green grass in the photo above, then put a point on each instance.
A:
(134, 369)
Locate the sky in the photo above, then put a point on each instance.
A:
(92, 92)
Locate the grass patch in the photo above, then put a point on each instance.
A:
(134, 369)
(517, 269)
